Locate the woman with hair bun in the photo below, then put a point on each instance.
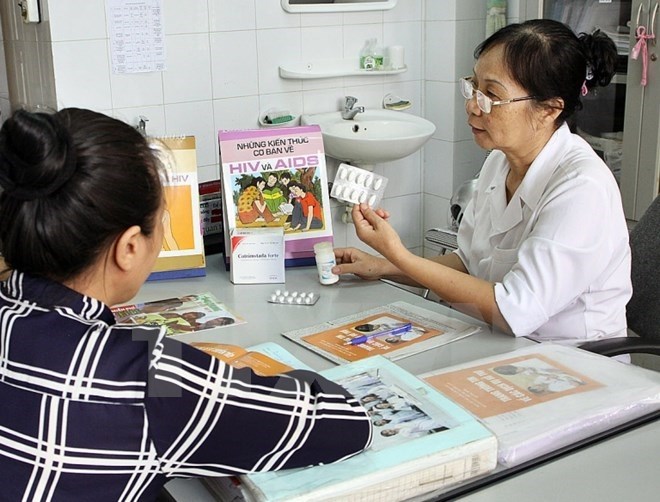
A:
(543, 245)
(93, 410)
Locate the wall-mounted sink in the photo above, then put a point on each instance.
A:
(373, 136)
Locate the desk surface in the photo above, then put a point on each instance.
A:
(265, 321)
(620, 468)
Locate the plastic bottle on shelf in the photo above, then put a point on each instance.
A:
(378, 53)
(367, 60)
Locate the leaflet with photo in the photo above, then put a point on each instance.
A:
(185, 314)
(428, 329)
(545, 397)
(423, 442)
(265, 359)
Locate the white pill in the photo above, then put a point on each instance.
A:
(310, 295)
(372, 200)
(360, 178)
(278, 292)
(286, 293)
(355, 195)
(338, 190)
(342, 173)
(378, 183)
(368, 180)
(351, 176)
(363, 197)
(289, 299)
(280, 298)
(299, 299)
(308, 300)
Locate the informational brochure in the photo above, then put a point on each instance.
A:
(381, 328)
(277, 177)
(541, 398)
(422, 442)
(185, 314)
(265, 359)
(182, 254)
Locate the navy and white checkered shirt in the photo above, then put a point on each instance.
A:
(92, 410)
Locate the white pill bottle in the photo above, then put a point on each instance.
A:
(325, 260)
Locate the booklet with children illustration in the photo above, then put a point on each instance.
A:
(422, 442)
(542, 398)
(395, 330)
(276, 177)
(180, 315)
(265, 359)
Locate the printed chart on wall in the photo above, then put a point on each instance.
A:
(394, 331)
(277, 178)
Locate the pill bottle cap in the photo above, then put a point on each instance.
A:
(323, 247)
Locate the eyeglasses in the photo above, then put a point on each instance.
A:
(484, 103)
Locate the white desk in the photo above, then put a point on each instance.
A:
(265, 321)
(621, 468)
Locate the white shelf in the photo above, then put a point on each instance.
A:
(330, 68)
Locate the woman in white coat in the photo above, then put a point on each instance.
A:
(543, 244)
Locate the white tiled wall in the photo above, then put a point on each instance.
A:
(222, 71)
(450, 157)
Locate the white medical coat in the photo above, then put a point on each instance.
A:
(558, 252)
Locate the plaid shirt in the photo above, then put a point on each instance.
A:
(92, 410)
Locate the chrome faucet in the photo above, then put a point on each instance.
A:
(349, 113)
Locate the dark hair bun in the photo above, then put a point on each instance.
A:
(600, 51)
(36, 156)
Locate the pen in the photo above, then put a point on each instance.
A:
(394, 331)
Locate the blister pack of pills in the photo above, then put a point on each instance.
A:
(356, 185)
(293, 297)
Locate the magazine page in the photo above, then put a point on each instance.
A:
(422, 441)
(185, 314)
(266, 359)
(427, 330)
(277, 177)
(545, 397)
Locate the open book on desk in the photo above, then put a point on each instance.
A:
(422, 442)
(542, 398)
(429, 329)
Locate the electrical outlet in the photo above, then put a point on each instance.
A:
(29, 11)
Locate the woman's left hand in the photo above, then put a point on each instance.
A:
(373, 229)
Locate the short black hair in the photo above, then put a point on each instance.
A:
(550, 61)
